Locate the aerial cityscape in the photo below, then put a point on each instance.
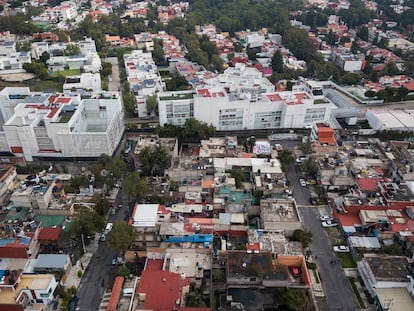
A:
(219, 155)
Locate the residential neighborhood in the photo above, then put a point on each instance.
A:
(206, 155)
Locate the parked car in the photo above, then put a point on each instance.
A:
(341, 249)
(329, 223)
(302, 182)
(117, 261)
(103, 237)
(326, 218)
(295, 271)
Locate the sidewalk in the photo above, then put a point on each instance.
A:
(352, 272)
(72, 278)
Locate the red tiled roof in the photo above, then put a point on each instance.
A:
(163, 289)
(368, 184)
(349, 220)
(116, 294)
(154, 264)
(63, 100)
(193, 309)
(49, 234)
(326, 135)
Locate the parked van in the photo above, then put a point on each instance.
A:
(108, 227)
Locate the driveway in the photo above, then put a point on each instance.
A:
(115, 84)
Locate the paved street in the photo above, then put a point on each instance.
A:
(338, 293)
(99, 271)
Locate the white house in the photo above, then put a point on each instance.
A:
(84, 81)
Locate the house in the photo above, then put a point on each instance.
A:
(252, 269)
(173, 286)
(15, 61)
(52, 263)
(279, 216)
(388, 277)
(24, 246)
(34, 291)
(85, 81)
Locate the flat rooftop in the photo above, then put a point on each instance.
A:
(34, 282)
(389, 268)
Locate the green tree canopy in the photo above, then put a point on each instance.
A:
(285, 156)
(121, 237)
(86, 221)
(293, 299)
(277, 62)
(303, 236)
(134, 186)
(154, 158)
(194, 129)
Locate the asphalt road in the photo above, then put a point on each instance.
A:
(339, 295)
(98, 273)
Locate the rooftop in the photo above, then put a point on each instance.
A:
(389, 268)
(169, 284)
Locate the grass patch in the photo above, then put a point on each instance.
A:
(35, 85)
(316, 276)
(356, 292)
(65, 73)
(346, 259)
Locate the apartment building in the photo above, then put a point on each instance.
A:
(242, 99)
(38, 125)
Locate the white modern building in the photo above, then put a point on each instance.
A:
(143, 78)
(242, 99)
(387, 119)
(84, 81)
(88, 59)
(39, 125)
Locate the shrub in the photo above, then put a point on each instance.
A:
(80, 273)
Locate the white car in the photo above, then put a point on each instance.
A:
(117, 261)
(302, 182)
(329, 223)
(341, 249)
(326, 218)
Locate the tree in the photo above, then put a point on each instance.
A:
(277, 62)
(44, 57)
(363, 33)
(121, 237)
(298, 41)
(109, 169)
(154, 158)
(310, 167)
(238, 177)
(106, 69)
(72, 49)
(370, 94)
(197, 130)
(293, 299)
(25, 46)
(134, 186)
(303, 236)
(102, 207)
(151, 104)
(86, 221)
(402, 92)
(285, 156)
